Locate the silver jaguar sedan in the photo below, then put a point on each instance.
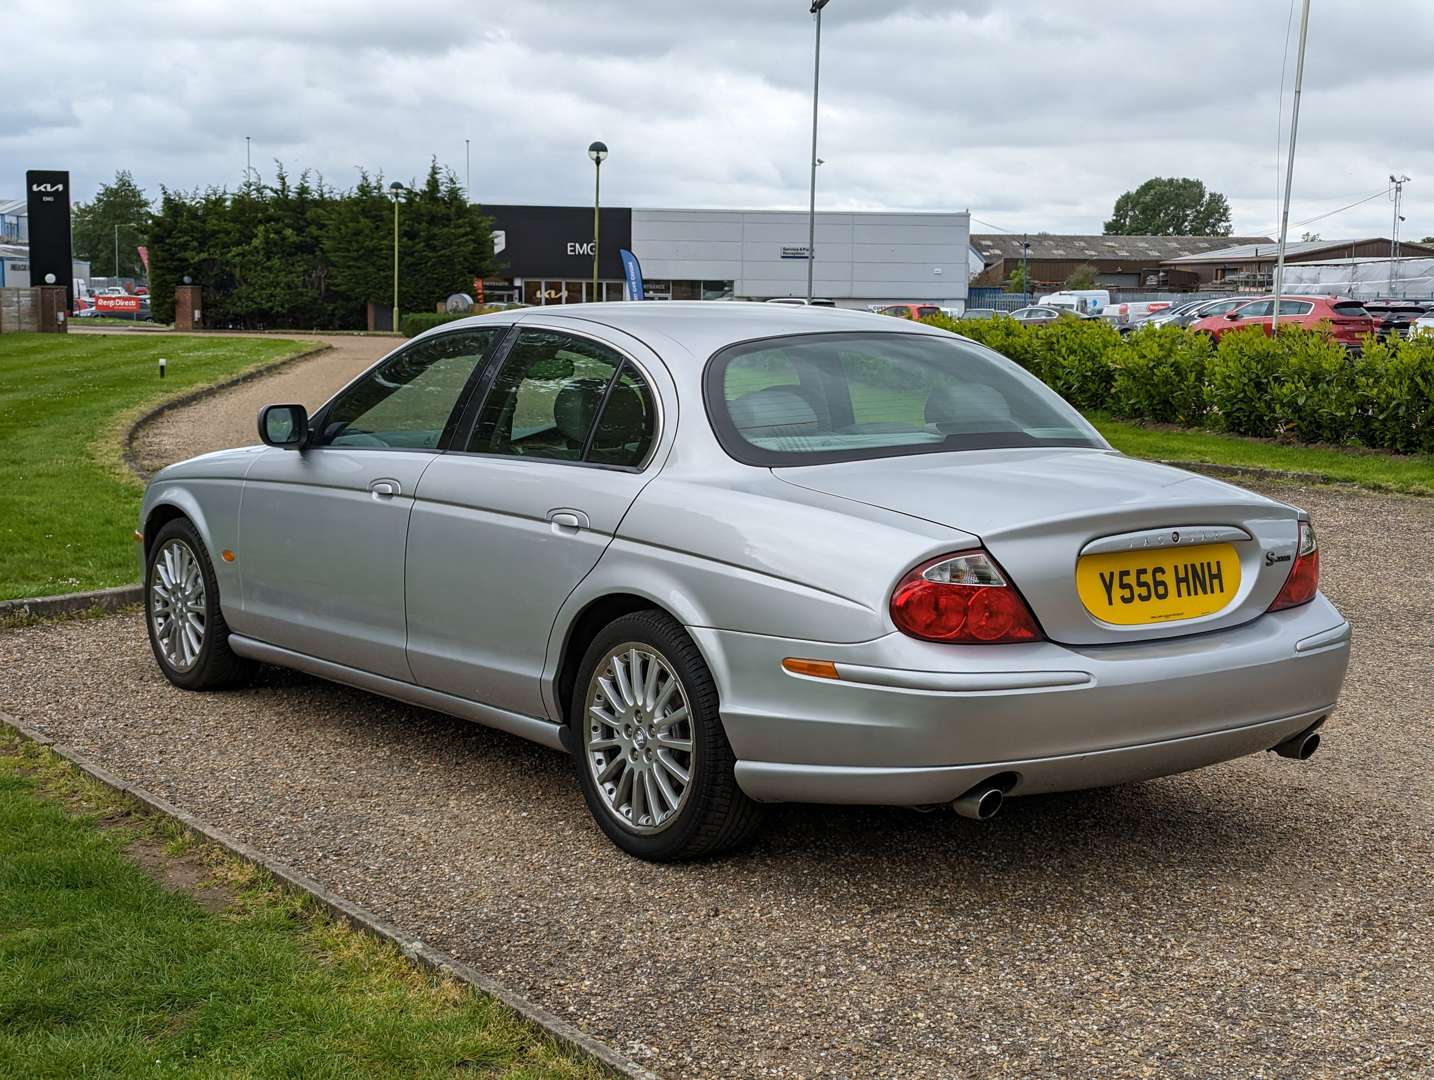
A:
(728, 554)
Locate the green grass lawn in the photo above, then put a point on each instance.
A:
(1413, 474)
(103, 972)
(67, 507)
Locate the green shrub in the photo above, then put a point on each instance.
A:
(1070, 358)
(415, 323)
(1394, 391)
(1300, 385)
(1243, 374)
(1160, 375)
(1314, 398)
(1008, 337)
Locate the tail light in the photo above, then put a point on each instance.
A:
(1302, 584)
(962, 598)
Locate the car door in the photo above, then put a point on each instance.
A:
(506, 525)
(322, 530)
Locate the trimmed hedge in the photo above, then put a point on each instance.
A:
(1299, 385)
(416, 323)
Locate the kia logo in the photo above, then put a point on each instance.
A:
(47, 187)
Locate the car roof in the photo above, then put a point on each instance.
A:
(704, 326)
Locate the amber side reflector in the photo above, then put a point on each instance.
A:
(227, 555)
(817, 669)
(138, 537)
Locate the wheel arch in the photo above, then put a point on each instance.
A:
(170, 505)
(578, 634)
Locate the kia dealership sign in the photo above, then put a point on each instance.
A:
(48, 202)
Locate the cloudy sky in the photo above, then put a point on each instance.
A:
(1033, 115)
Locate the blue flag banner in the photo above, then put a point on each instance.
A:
(632, 274)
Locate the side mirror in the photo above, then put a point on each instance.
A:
(1233, 315)
(284, 426)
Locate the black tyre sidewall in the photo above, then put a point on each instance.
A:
(711, 765)
(204, 674)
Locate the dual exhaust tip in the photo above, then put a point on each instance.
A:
(983, 802)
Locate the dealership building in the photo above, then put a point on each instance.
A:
(544, 255)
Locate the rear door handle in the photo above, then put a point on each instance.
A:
(567, 521)
(384, 489)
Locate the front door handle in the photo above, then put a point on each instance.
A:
(384, 489)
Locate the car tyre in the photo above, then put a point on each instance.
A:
(627, 747)
(186, 627)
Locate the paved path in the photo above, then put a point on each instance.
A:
(1260, 918)
(229, 418)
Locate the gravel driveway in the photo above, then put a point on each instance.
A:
(1260, 918)
(230, 418)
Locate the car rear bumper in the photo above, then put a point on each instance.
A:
(913, 722)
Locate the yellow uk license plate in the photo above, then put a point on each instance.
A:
(1158, 585)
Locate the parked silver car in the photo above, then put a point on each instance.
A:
(730, 554)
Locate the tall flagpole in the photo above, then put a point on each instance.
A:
(1290, 166)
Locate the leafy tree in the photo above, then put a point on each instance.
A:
(1016, 283)
(1310, 237)
(1427, 240)
(1082, 277)
(120, 205)
(296, 253)
(1170, 206)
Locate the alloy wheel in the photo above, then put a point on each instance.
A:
(177, 604)
(637, 737)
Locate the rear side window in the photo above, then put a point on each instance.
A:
(818, 398)
(1293, 307)
(559, 397)
(927, 310)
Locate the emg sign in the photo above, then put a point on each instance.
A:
(576, 247)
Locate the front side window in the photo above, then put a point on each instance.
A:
(1260, 309)
(564, 398)
(810, 399)
(408, 401)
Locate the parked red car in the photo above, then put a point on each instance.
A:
(914, 312)
(1347, 319)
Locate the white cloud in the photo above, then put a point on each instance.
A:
(1036, 116)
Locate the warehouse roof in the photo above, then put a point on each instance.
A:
(993, 246)
(1245, 252)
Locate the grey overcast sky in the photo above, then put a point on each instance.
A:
(1033, 115)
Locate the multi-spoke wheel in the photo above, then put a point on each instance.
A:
(652, 758)
(639, 737)
(176, 604)
(186, 628)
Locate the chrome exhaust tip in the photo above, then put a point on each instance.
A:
(1301, 747)
(981, 803)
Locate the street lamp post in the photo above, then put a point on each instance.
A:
(598, 152)
(395, 191)
(816, 10)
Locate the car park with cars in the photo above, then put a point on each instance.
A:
(1345, 320)
(725, 554)
(1394, 316)
(1042, 314)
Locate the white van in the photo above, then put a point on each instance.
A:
(1082, 301)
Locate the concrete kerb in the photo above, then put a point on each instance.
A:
(98, 600)
(565, 1034)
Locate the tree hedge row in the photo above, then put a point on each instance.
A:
(302, 255)
(1297, 385)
